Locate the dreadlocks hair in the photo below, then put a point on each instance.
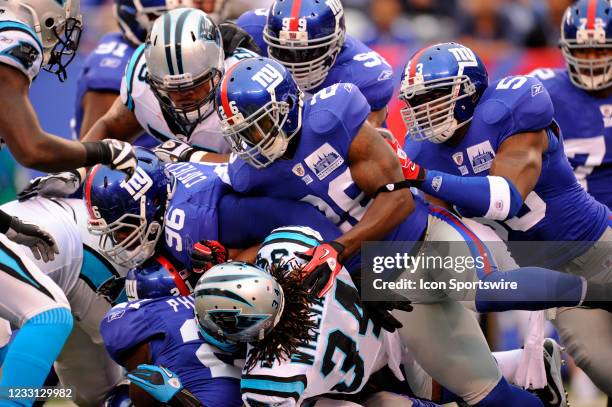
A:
(295, 324)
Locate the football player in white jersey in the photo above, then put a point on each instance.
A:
(90, 281)
(169, 85)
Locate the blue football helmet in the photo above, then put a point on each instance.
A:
(160, 276)
(260, 107)
(128, 214)
(306, 37)
(587, 25)
(238, 302)
(136, 17)
(441, 86)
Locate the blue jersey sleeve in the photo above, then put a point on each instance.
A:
(337, 110)
(245, 221)
(253, 23)
(365, 68)
(125, 326)
(105, 66)
(519, 104)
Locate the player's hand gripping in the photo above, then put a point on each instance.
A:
(57, 185)
(235, 37)
(172, 151)
(122, 156)
(41, 243)
(207, 253)
(163, 385)
(412, 171)
(322, 268)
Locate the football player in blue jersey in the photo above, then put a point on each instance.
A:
(157, 326)
(309, 38)
(326, 152)
(188, 203)
(582, 94)
(495, 152)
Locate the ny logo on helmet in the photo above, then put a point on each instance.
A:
(465, 57)
(268, 77)
(138, 185)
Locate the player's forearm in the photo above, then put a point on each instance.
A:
(118, 123)
(387, 211)
(49, 153)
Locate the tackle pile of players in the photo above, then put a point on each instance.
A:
(221, 265)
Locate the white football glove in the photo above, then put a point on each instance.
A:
(57, 185)
(123, 156)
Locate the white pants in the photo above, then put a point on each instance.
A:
(84, 363)
(25, 291)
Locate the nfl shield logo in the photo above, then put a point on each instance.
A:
(458, 158)
(298, 170)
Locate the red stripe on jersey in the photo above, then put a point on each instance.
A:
(88, 191)
(592, 11)
(414, 62)
(295, 15)
(178, 281)
(224, 100)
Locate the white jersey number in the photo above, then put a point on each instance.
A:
(595, 150)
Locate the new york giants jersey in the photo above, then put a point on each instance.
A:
(139, 98)
(102, 71)
(20, 47)
(356, 63)
(586, 124)
(345, 348)
(79, 256)
(557, 209)
(319, 171)
(203, 206)
(168, 325)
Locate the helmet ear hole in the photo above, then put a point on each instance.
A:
(193, 37)
(49, 22)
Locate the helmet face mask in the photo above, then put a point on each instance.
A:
(260, 107)
(307, 44)
(187, 103)
(129, 240)
(259, 139)
(586, 44)
(441, 86)
(185, 67)
(249, 308)
(128, 215)
(58, 26)
(430, 106)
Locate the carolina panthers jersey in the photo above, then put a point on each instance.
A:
(102, 71)
(79, 257)
(20, 47)
(345, 348)
(557, 209)
(319, 172)
(586, 124)
(139, 98)
(168, 325)
(203, 206)
(356, 63)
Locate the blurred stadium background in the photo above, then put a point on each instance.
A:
(512, 37)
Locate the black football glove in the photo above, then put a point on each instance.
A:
(235, 37)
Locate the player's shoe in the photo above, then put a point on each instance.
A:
(554, 394)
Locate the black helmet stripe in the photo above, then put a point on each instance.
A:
(167, 43)
(178, 34)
